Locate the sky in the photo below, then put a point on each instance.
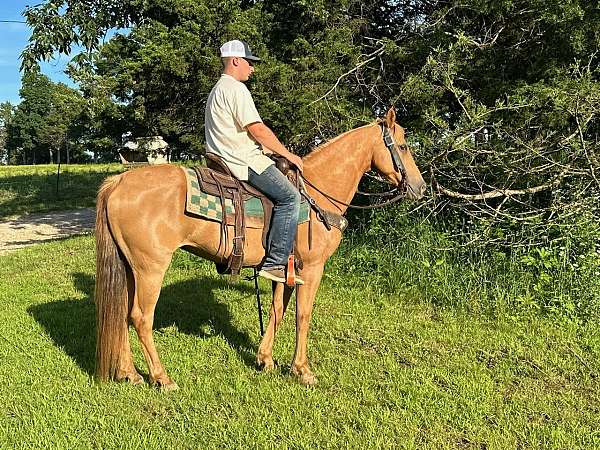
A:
(13, 38)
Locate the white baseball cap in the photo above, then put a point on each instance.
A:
(237, 48)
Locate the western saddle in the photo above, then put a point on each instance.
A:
(216, 179)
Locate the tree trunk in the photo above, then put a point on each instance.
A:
(68, 153)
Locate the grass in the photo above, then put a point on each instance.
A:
(27, 189)
(408, 254)
(394, 372)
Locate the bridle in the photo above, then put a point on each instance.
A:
(398, 191)
(394, 149)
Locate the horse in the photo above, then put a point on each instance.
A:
(140, 222)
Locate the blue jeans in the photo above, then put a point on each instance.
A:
(286, 208)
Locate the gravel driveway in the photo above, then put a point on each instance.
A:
(36, 228)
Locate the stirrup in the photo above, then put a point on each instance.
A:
(290, 278)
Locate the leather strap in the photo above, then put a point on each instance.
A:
(235, 192)
(334, 220)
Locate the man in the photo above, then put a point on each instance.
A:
(235, 132)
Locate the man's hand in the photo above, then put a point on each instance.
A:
(295, 160)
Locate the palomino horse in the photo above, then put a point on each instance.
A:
(141, 221)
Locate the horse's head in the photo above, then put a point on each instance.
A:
(393, 159)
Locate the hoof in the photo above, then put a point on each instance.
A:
(305, 377)
(165, 385)
(135, 379)
(308, 379)
(172, 386)
(265, 365)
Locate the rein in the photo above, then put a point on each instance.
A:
(399, 191)
(397, 198)
(380, 194)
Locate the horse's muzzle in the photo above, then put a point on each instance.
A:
(416, 192)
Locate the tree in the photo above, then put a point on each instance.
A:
(59, 24)
(162, 70)
(28, 120)
(59, 129)
(504, 100)
(154, 74)
(6, 115)
(45, 122)
(500, 98)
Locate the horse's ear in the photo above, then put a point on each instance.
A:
(390, 117)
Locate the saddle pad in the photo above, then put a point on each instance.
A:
(201, 204)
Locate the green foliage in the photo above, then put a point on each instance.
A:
(153, 73)
(6, 115)
(501, 97)
(45, 123)
(161, 70)
(58, 25)
(408, 254)
(507, 122)
(28, 119)
(59, 130)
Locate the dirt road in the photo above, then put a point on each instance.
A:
(36, 228)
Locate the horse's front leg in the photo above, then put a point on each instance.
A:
(281, 299)
(304, 304)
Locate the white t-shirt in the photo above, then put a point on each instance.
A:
(229, 109)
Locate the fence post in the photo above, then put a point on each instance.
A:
(58, 174)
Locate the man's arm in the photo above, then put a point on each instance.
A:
(264, 136)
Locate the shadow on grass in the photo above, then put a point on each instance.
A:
(37, 191)
(189, 305)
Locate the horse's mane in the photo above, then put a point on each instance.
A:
(319, 148)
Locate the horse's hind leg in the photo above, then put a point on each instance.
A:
(147, 289)
(127, 371)
(281, 299)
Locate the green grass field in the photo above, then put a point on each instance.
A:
(26, 189)
(395, 371)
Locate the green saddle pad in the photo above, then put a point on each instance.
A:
(201, 204)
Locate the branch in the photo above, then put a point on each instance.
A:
(485, 43)
(590, 158)
(498, 192)
(371, 56)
